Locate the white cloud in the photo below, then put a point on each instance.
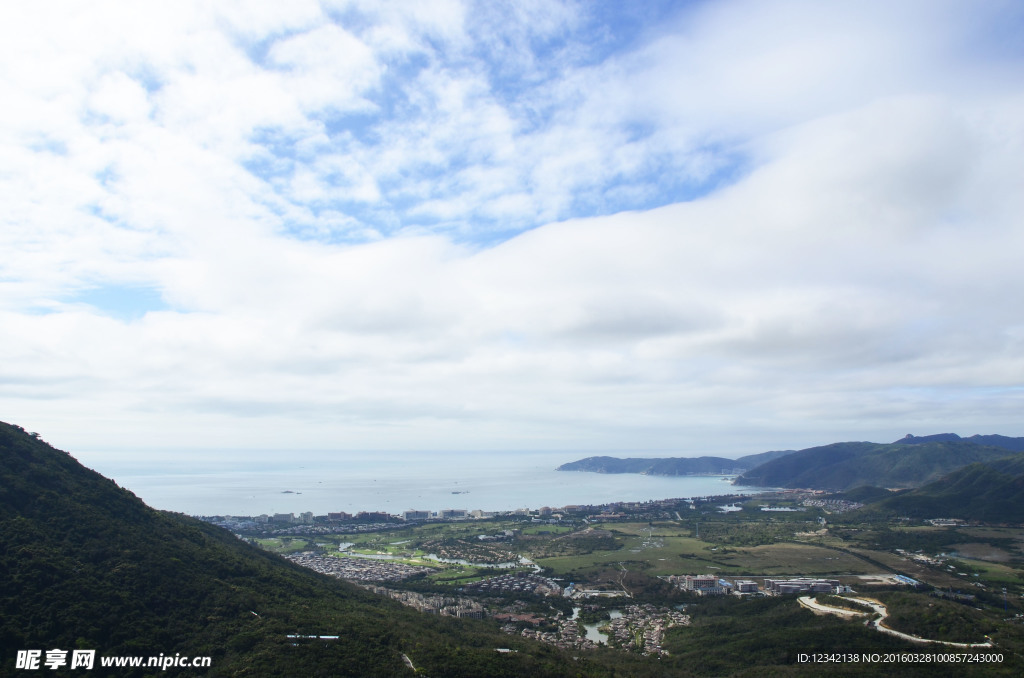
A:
(381, 233)
(327, 67)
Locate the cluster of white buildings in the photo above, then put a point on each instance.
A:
(833, 505)
(567, 637)
(516, 583)
(456, 514)
(710, 585)
(356, 569)
(645, 624)
(801, 585)
(702, 584)
(446, 606)
(290, 518)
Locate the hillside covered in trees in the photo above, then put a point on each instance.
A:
(85, 564)
(907, 463)
(991, 492)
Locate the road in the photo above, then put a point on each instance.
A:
(876, 623)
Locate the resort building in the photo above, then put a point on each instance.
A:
(800, 585)
(701, 584)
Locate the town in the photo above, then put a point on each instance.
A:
(630, 575)
(367, 521)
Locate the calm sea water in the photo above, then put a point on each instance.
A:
(239, 484)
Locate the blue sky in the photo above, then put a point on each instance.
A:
(675, 228)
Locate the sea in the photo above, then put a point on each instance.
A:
(248, 484)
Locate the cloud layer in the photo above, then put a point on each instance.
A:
(725, 227)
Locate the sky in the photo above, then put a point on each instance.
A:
(673, 228)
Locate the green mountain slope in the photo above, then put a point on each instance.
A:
(669, 466)
(843, 466)
(85, 564)
(992, 492)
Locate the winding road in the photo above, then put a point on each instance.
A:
(810, 603)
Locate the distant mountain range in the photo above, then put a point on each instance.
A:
(980, 477)
(912, 461)
(671, 466)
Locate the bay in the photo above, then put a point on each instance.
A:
(323, 482)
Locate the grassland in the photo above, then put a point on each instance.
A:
(678, 555)
(988, 571)
(664, 549)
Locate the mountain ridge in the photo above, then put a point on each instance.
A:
(670, 466)
(907, 463)
(910, 462)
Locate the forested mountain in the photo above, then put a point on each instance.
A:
(906, 463)
(992, 491)
(670, 466)
(85, 564)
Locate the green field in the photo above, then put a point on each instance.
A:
(546, 529)
(991, 572)
(661, 551)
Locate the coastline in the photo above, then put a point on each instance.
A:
(394, 483)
